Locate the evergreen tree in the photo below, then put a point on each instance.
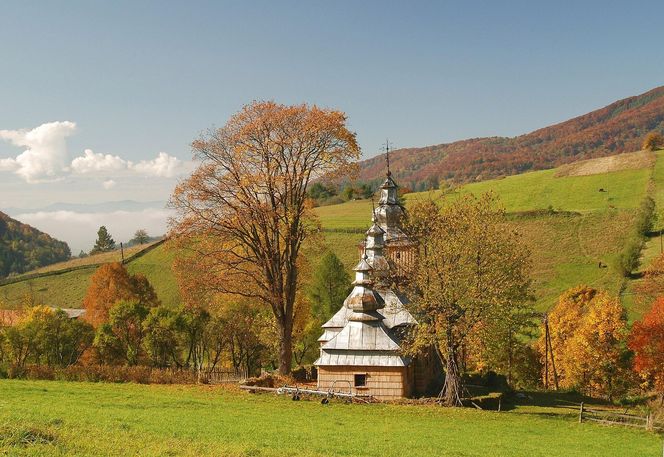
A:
(330, 285)
(104, 241)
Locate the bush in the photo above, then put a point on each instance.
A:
(305, 373)
(102, 373)
(630, 257)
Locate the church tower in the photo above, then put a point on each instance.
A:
(360, 346)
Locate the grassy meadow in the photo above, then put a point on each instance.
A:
(587, 226)
(51, 418)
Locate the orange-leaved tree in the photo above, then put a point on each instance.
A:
(647, 342)
(243, 214)
(653, 141)
(588, 332)
(112, 283)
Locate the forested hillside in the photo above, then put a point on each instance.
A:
(24, 248)
(619, 127)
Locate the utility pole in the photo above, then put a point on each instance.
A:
(546, 353)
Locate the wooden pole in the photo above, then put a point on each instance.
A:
(581, 413)
(546, 354)
(122, 252)
(553, 361)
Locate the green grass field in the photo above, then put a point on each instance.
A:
(103, 257)
(156, 266)
(566, 249)
(68, 289)
(126, 419)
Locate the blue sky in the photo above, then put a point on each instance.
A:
(141, 78)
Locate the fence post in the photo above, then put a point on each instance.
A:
(649, 421)
(581, 413)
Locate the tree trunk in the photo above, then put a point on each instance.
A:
(286, 346)
(452, 388)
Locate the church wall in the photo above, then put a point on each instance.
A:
(383, 383)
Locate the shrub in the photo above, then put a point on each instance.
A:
(102, 373)
(630, 257)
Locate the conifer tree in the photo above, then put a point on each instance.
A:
(329, 287)
(104, 241)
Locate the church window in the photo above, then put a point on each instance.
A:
(360, 380)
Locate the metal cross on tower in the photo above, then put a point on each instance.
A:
(386, 148)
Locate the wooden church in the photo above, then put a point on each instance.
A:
(360, 347)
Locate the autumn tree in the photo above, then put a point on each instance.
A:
(112, 283)
(653, 141)
(104, 242)
(244, 214)
(471, 269)
(47, 336)
(647, 342)
(588, 331)
(121, 338)
(163, 328)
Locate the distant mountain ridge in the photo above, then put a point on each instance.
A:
(120, 205)
(24, 248)
(618, 127)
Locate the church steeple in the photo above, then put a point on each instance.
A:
(374, 246)
(363, 301)
(389, 212)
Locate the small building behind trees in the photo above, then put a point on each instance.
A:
(361, 345)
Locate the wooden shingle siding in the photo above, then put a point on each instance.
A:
(383, 383)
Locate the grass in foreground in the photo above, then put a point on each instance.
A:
(61, 418)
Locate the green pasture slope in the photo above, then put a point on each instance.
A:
(52, 418)
(584, 228)
(68, 289)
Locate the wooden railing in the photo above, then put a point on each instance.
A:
(222, 375)
(613, 417)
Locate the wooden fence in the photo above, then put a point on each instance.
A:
(222, 376)
(614, 417)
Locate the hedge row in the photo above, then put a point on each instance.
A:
(100, 373)
(630, 256)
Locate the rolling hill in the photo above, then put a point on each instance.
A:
(618, 127)
(569, 225)
(24, 248)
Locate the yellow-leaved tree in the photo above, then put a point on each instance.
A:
(471, 273)
(588, 332)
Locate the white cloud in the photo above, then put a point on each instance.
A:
(91, 162)
(8, 164)
(79, 230)
(163, 165)
(108, 184)
(45, 157)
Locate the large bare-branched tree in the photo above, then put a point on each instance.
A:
(243, 214)
(471, 270)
